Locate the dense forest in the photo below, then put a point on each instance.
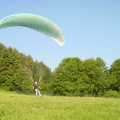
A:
(72, 77)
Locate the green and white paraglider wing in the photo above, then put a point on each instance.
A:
(35, 22)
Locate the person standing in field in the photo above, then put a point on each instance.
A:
(37, 89)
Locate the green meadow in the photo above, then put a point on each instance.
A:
(15, 106)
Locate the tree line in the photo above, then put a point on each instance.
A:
(72, 77)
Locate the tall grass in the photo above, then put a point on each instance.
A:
(15, 106)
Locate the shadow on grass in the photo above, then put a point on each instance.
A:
(25, 93)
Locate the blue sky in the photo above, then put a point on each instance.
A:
(91, 29)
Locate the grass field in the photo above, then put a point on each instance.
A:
(15, 106)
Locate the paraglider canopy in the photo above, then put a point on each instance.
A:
(35, 22)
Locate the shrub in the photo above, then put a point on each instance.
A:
(112, 93)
